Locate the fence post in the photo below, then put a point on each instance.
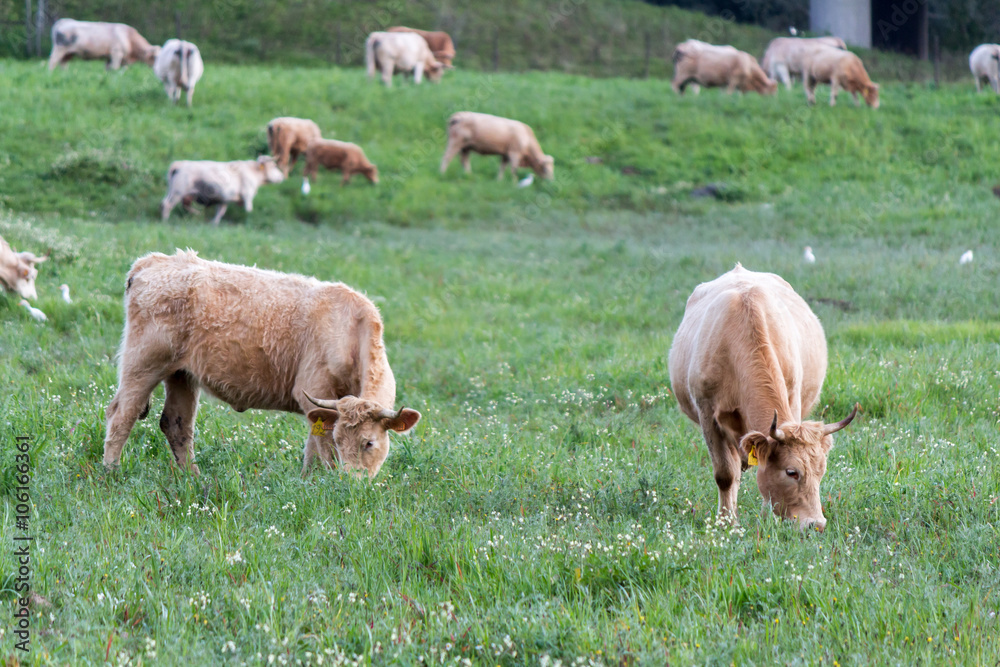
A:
(27, 28)
(337, 36)
(39, 27)
(937, 60)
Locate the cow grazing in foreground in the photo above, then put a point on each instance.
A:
(288, 138)
(18, 272)
(718, 66)
(179, 66)
(482, 133)
(217, 183)
(117, 43)
(439, 42)
(843, 70)
(254, 339)
(786, 57)
(747, 365)
(337, 155)
(984, 61)
(403, 51)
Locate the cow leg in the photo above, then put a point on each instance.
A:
(450, 151)
(56, 57)
(318, 445)
(515, 162)
(219, 212)
(190, 96)
(167, 205)
(781, 74)
(809, 84)
(347, 177)
(387, 73)
(725, 462)
(130, 402)
(503, 167)
(418, 73)
(466, 165)
(177, 420)
(834, 89)
(115, 61)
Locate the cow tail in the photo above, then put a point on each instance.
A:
(185, 66)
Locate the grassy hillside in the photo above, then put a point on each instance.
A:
(597, 38)
(553, 503)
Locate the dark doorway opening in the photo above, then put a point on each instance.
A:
(900, 25)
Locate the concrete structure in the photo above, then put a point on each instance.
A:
(890, 25)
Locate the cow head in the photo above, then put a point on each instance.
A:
(792, 462)
(371, 173)
(546, 167)
(149, 56)
(871, 95)
(434, 70)
(270, 169)
(360, 430)
(19, 276)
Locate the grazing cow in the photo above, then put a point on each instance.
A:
(439, 42)
(482, 133)
(405, 51)
(717, 66)
(747, 365)
(217, 183)
(179, 66)
(288, 138)
(254, 339)
(117, 43)
(785, 56)
(18, 272)
(842, 70)
(341, 155)
(984, 61)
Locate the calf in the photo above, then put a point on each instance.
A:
(747, 365)
(117, 43)
(179, 66)
(254, 339)
(217, 183)
(842, 70)
(18, 272)
(718, 66)
(288, 138)
(337, 155)
(786, 56)
(439, 42)
(405, 51)
(482, 133)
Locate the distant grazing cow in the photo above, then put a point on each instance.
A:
(337, 155)
(482, 133)
(984, 61)
(440, 43)
(718, 66)
(405, 51)
(254, 339)
(179, 66)
(18, 272)
(217, 183)
(842, 70)
(117, 43)
(785, 56)
(288, 138)
(747, 365)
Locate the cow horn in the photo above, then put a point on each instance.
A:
(331, 405)
(775, 431)
(833, 428)
(392, 414)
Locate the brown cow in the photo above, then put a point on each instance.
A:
(440, 42)
(337, 155)
(842, 70)
(254, 339)
(18, 272)
(485, 134)
(718, 66)
(786, 57)
(117, 43)
(288, 138)
(747, 365)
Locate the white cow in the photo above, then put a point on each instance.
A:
(117, 43)
(217, 183)
(179, 66)
(405, 51)
(984, 61)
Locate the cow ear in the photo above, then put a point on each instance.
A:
(403, 421)
(328, 419)
(755, 447)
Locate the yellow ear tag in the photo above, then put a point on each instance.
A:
(318, 429)
(752, 456)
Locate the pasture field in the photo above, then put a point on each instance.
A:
(553, 503)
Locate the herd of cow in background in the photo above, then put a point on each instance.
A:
(747, 362)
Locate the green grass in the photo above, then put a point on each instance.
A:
(553, 501)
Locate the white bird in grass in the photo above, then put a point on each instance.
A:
(305, 186)
(37, 314)
(526, 181)
(966, 257)
(809, 256)
(64, 288)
